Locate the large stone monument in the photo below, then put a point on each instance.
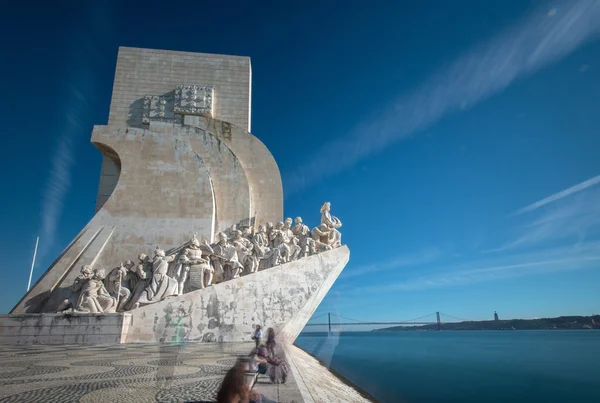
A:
(188, 240)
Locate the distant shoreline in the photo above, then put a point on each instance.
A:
(558, 323)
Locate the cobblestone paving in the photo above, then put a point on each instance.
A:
(124, 373)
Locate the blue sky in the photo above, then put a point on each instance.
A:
(457, 141)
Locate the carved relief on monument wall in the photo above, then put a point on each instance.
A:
(242, 250)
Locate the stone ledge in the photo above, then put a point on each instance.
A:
(318, 383)
(59, 328)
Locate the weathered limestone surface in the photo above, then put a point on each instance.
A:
(142, 72)
(64, 329)
(228, 311)
(173, 181)
(258, 163)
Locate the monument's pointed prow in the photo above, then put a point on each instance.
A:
(284, 297)
(188, 235)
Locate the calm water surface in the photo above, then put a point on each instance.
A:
(462, 366)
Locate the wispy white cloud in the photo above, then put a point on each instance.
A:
(557, 196)
(409, 260)
(63, 160)
(535, 42)
(457, 277)
(570, 215)
(85, 55)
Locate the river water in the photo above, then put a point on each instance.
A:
(465, 366)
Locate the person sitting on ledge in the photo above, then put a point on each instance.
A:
(235, 389)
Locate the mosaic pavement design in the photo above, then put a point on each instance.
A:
(123, 373)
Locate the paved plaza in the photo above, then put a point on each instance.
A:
(125, 373)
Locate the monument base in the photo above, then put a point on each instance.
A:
(283, 297)
(58, 328)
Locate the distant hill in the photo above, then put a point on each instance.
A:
(562, 322)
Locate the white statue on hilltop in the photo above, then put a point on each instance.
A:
(332, 223)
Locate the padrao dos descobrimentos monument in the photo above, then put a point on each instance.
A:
(188, 240)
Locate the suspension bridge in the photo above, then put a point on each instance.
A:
(343, 321)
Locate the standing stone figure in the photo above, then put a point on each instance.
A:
(279, 240)
(268, 257)
(305, 241)
(117, 283)
(199, 269)
(161, 285)
(142, 274)
(105, 302)
(225, 258)
(269, 231)
(333, 223)
(293, 242)
(245, 252)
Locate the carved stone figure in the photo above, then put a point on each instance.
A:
(86, 273)
(245, 252)
(268, 257)
(333, 223)
(293, 242)
(321, 236)
(305, 241)
(225, 258)
(199, 269)
(105, 301)
(268, 231)
(161, 285)
(279, 240)
(200, 265)
(92, 296)
(142, 274)
(118, 283)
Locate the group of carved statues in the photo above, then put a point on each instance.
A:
(197, 265)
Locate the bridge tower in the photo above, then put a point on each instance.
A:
(439, 323)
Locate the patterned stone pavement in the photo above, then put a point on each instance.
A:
(123, 373)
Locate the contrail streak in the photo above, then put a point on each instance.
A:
(538, 40)
(557, 196)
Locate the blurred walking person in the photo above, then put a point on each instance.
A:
(271, 341)
(257, 335)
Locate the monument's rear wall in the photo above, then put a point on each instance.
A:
(142, 72)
